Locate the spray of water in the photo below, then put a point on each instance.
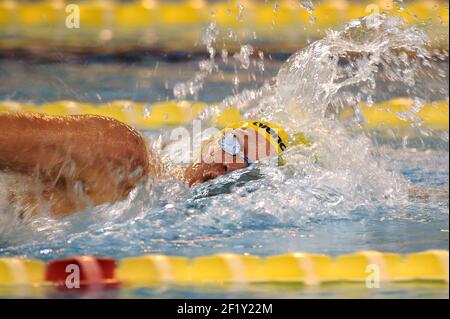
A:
(341, 171)
(339, 175)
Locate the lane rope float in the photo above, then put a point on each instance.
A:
(309, 269)
(94, 273)
(154, 21)
(17, 271)
(386, 115)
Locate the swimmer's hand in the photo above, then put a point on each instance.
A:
(198, 173)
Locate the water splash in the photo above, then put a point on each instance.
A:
(206, 67)
(337, 72)
(343, 176)
(356, 57)
(307, 5)
(243, 57)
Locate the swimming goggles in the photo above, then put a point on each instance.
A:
(230, 145)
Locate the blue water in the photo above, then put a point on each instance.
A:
(184, 227)
(258, 211)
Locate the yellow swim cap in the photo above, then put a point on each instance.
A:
(274, 134)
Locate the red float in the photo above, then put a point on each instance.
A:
(82, 272)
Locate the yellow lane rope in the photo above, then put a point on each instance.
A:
(369, 267)
(396, 113)
(25, 24)
(18, 271)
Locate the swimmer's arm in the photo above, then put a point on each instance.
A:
(32, 142)
(105, 156)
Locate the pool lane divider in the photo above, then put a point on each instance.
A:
(176, 24)
(154, 270)
(395, 113)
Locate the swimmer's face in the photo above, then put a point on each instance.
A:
(234, 150)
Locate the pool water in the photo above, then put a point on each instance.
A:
(353, 196)
(432, 290)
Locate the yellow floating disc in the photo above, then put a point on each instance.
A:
(425, 10)
(170, 113)
(11, 106)
(332, 13)
(48, 13)
(298, 267)
(435, 115)
(18, 271)
(357, 10)
(227, 116)
(7, 13)
(225, 14)
(65, 108)
(153, 269)
(394, 113)
(427, 265)
(136, 15)
(223, 268)
(182, 13)
(367, 265)
(95, 13)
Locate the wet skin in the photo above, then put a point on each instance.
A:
(66, 164)
(74, 162)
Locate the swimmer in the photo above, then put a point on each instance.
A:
(67, 164)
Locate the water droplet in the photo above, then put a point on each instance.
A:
(307, 5)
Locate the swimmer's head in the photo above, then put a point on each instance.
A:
(236, 147)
